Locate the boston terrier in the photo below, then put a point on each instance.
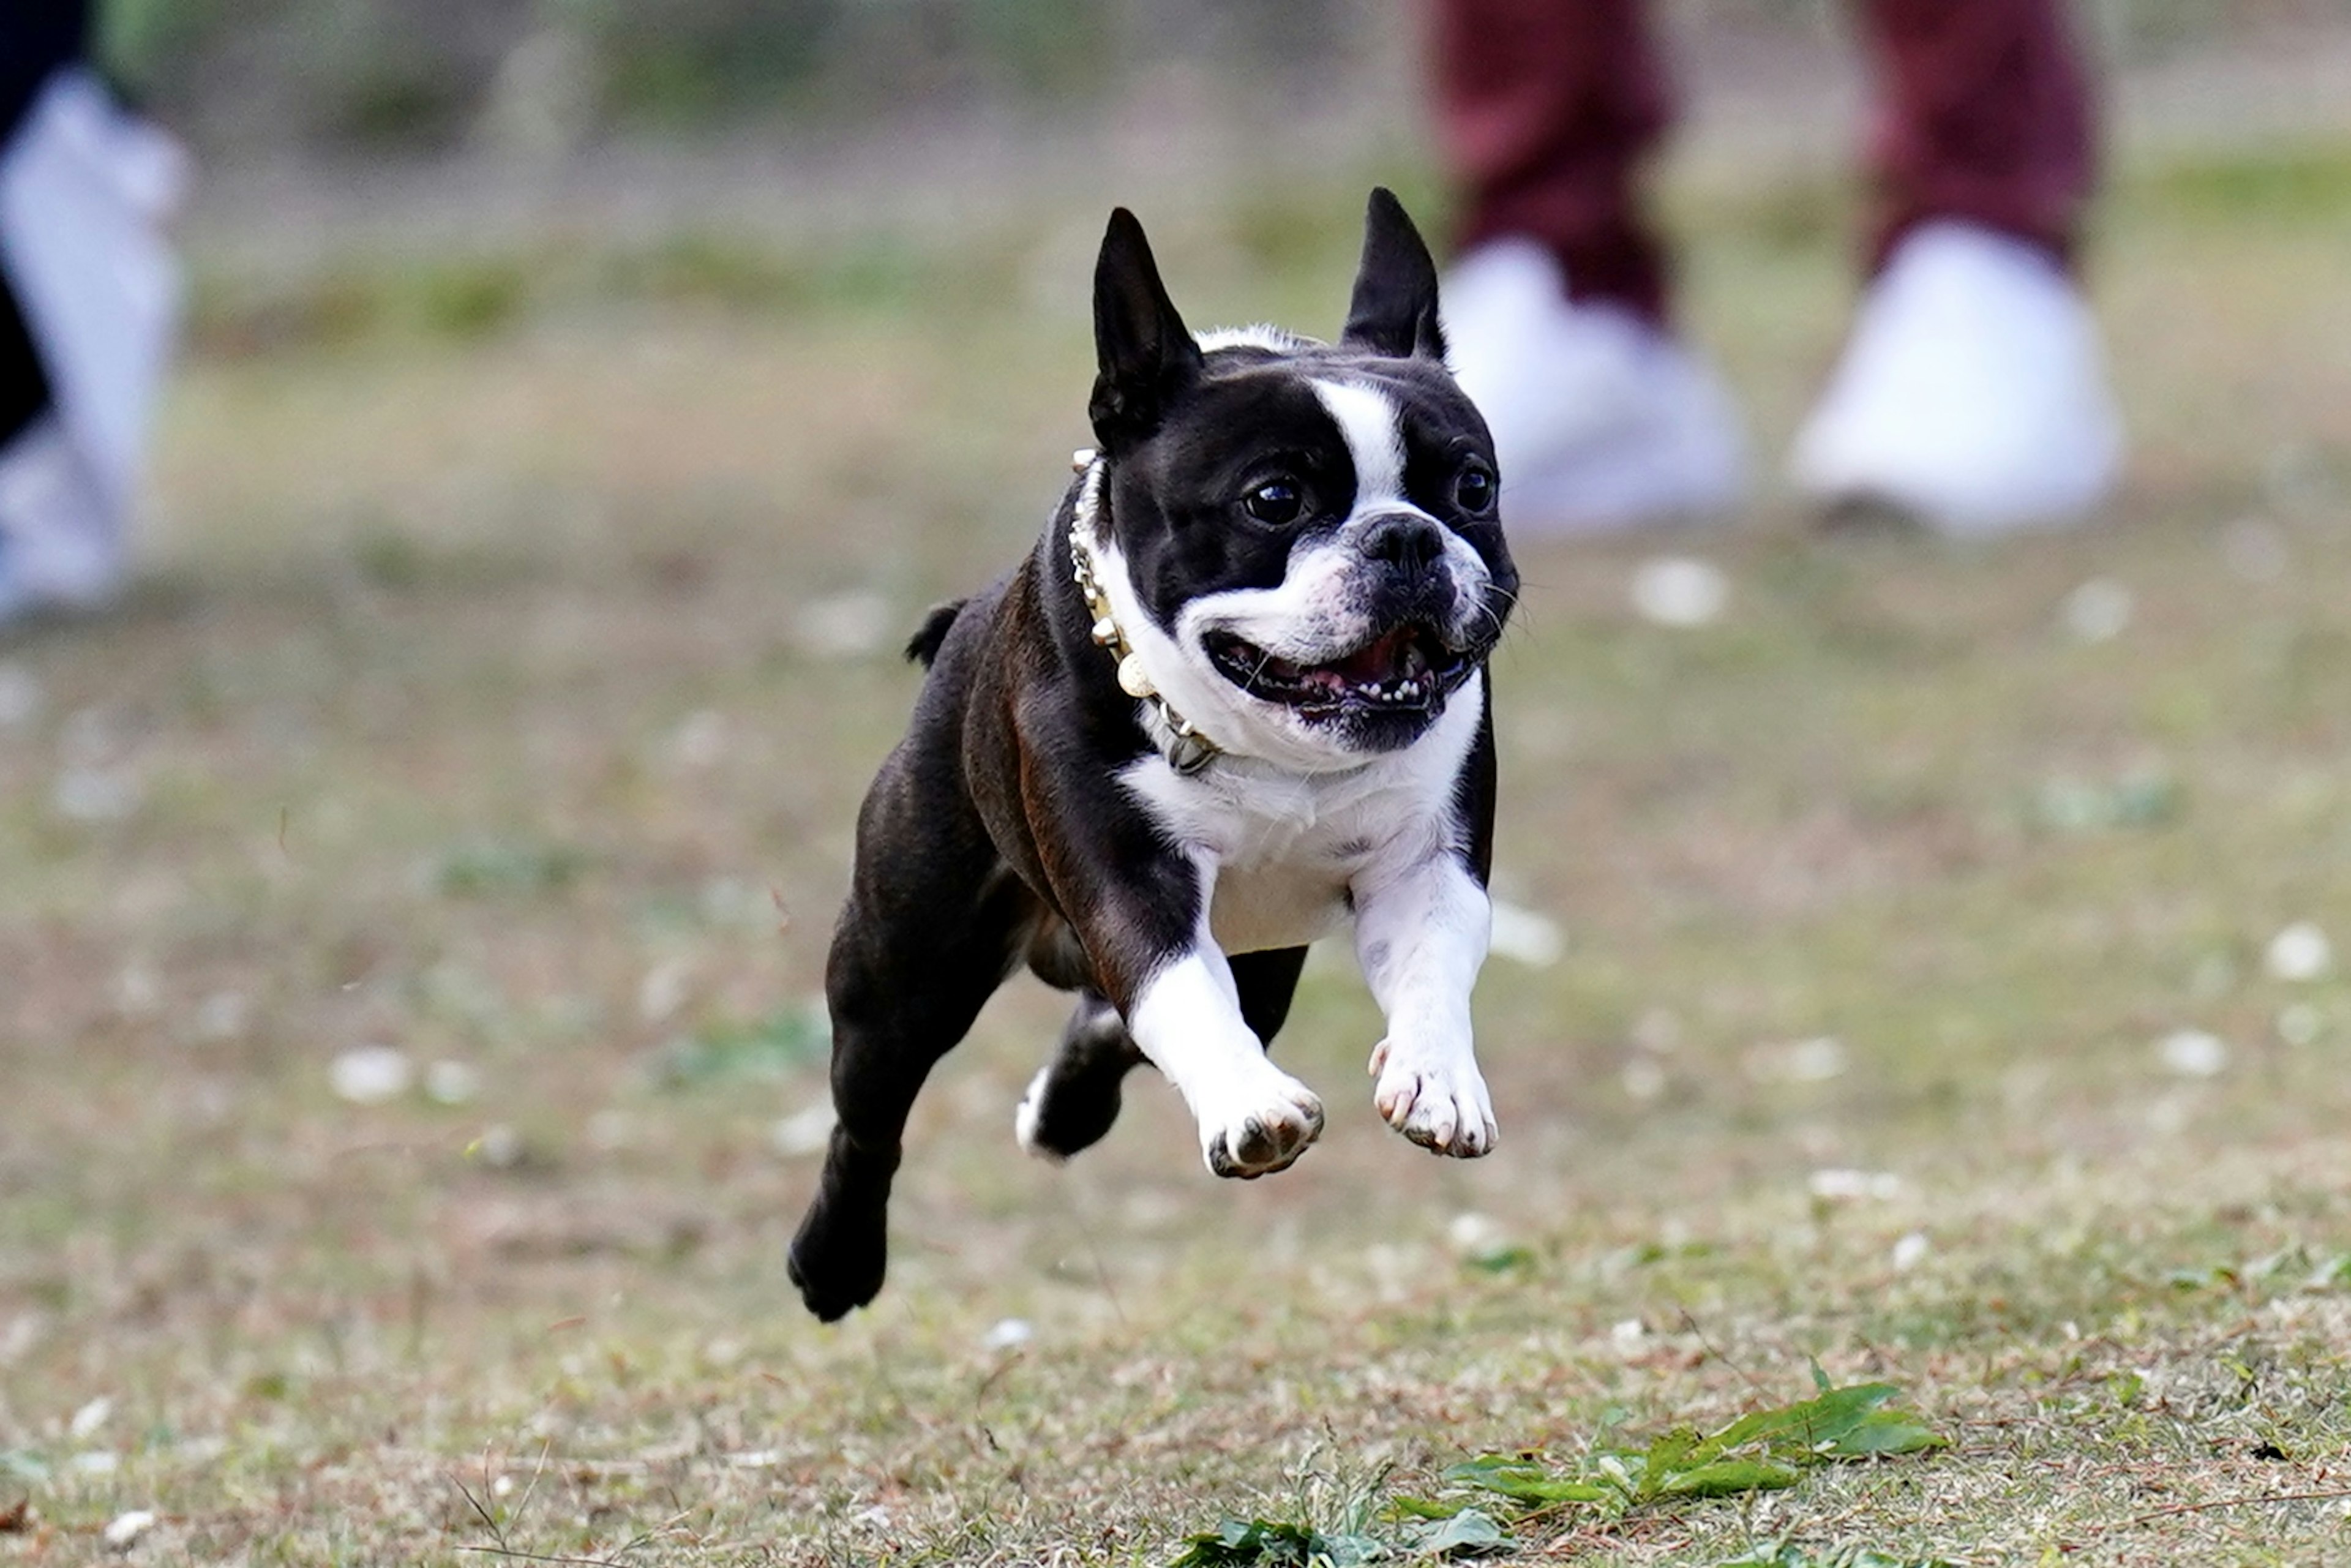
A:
(1237, 694)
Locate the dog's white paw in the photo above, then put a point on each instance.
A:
(1260, 1128)
(1437, 1099)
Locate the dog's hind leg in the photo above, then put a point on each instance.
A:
(931, 929)
(1075, 1098)
(1267, 980)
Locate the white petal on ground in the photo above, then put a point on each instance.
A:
(137, 991)
(2099, 611)
(1526, 936)
(95, 794)
(700, 739)
(96, 1462)
(372, 1074)
(1680, 591)
(1472, 1233)
(2300, 952)
(1645, 1078)
(500, 1148)
(223, 1015)
(1839, 1184)
(127, 1527)
(663, 989)
(2193, 1053)
(90, 1418)
(1910, 1251)
(1815, 1061)
(1628, 1333)
(1010, 1334)
(804, 1132)
(451, 1083)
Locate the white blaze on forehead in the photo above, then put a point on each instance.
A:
(1367, 420)
(1257, 336)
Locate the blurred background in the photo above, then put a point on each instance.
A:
(413, 893)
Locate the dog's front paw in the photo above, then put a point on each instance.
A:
(1261, 1131)
(1437, 1099)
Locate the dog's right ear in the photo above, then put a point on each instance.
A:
(1144, 354)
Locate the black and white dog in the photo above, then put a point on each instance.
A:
(1236, 692)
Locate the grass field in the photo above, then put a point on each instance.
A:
(519, 642)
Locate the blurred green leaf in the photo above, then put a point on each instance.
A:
(773, 1047)
(492, 867)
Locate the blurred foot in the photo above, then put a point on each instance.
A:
(60, 543)
(1972, 394)
(1601, 421)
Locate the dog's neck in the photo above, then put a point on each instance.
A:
(1180, 741)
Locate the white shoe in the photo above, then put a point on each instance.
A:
(61, 537)
(1972, 393)
(1600, 420)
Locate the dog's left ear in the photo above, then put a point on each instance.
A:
(1393, 311)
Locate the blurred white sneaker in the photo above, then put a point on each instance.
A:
(60, 537)
(1600, 420)
(1972, 393)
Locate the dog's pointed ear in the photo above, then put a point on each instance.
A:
(1393, 311)
(1144, 354)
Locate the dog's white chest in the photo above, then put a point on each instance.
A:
(1289, 847)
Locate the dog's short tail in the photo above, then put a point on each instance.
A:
(923, 647)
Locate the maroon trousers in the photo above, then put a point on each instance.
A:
(1548, 107)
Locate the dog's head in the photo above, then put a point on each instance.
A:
(1300, 540)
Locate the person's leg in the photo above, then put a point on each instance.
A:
(34, 40)
(1972, 392)
(1548, 112)
(92, 293)
(1557, 309)
(1984, 117)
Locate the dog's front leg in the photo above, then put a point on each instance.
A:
(1421, 935)
(1185, 1017)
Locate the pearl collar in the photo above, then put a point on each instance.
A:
(1186, 750)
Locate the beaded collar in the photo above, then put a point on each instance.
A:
(1186, 750)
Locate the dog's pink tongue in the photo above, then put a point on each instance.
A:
(1375, 661)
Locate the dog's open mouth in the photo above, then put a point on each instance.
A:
(1401, 670)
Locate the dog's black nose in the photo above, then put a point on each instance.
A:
(1405, 540)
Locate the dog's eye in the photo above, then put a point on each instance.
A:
(1474, 491)
(1275, 502)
